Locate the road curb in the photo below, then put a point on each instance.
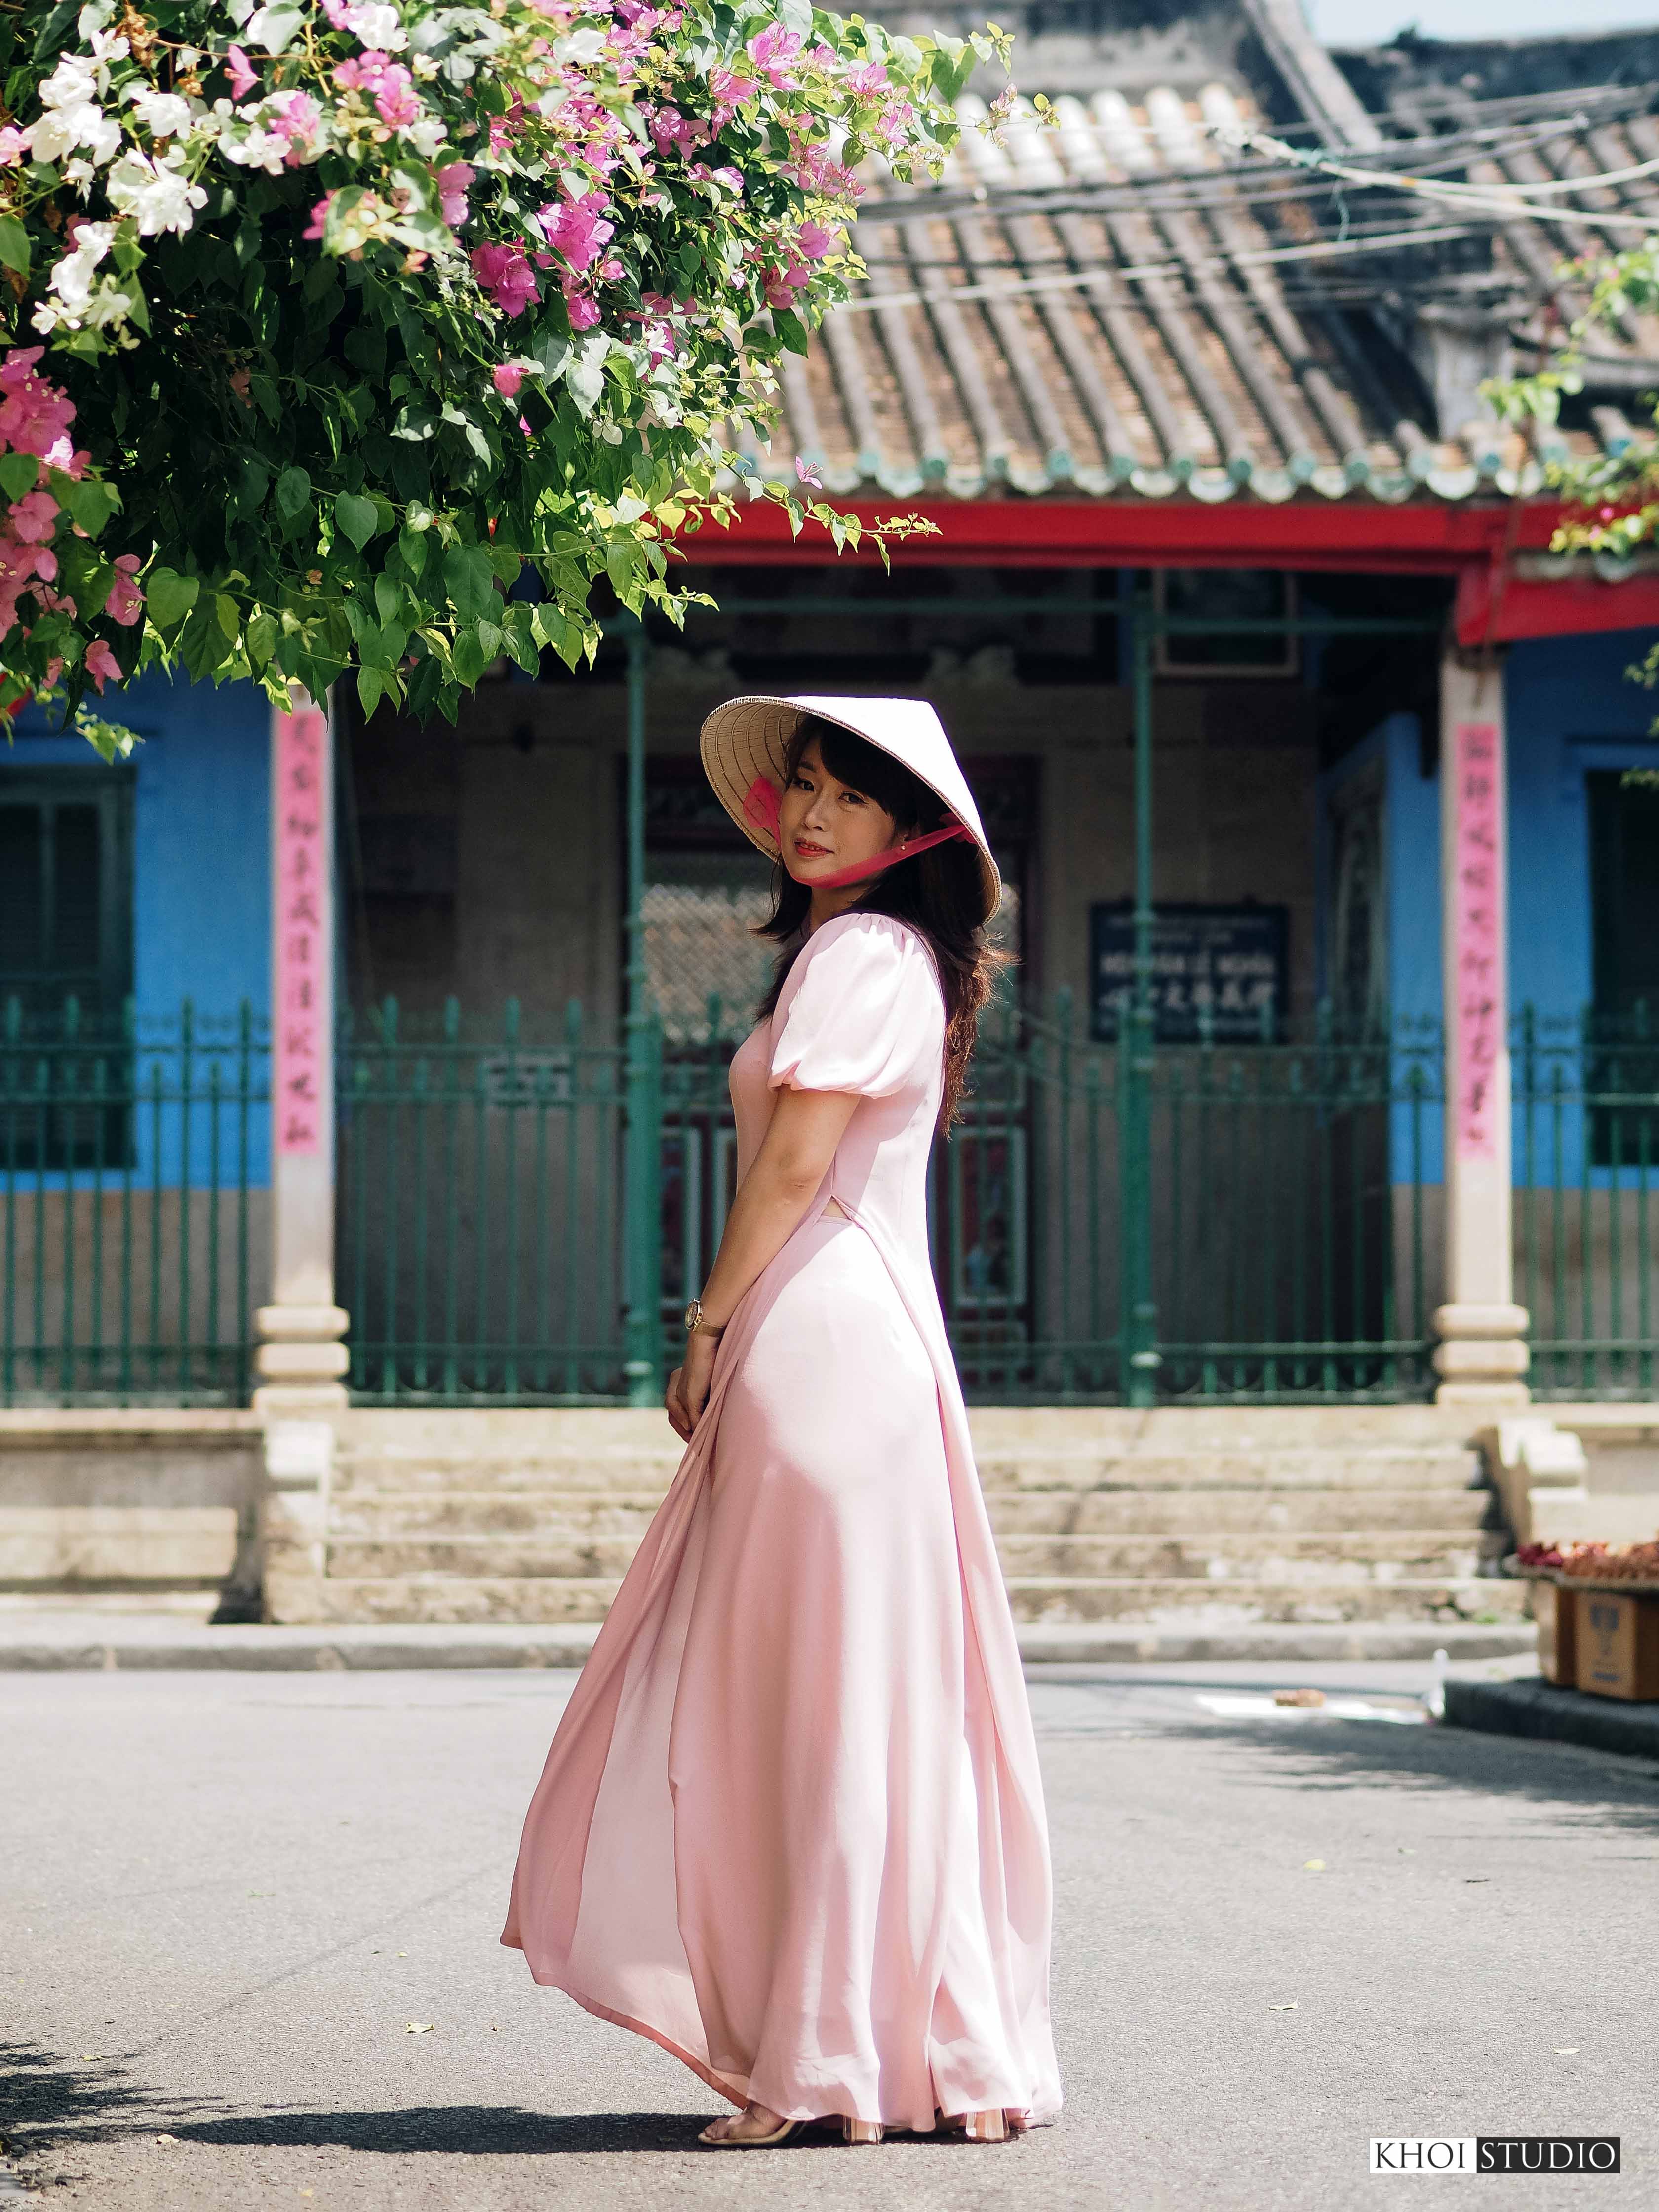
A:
(1544, 1711)
(71, 1645)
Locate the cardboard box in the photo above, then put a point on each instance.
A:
(1616, 1636)
(1555, 1612)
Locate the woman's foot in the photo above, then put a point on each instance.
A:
(993, 2126)
(755, 2123)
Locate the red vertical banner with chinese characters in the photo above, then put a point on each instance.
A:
(1478, 1014)
(304, 950)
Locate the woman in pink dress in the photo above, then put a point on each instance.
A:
(791, 1826)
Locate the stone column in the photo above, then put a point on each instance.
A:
(1482, 1355)
(301, 1358)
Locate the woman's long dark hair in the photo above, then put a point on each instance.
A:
(939, 892)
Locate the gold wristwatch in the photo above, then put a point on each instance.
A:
(694, 1324)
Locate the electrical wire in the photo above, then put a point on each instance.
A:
(1144, 273)
(1509, 203)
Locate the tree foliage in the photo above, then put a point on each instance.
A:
(325, 319)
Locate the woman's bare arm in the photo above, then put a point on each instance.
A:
(799, 1143)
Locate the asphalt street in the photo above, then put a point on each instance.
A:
(249, 1957)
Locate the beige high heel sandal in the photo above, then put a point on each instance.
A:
(980, 2127)
(852, 2132)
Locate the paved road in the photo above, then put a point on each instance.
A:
(224, 1899)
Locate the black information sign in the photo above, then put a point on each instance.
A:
(1234, 960)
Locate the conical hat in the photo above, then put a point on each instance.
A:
(749, 737)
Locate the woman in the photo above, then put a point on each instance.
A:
(791, 1826)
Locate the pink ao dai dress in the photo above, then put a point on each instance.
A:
(791, 1826)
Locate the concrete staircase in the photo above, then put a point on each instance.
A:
(1199, 1524)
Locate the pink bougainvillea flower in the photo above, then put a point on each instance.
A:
(125, 602)
(101, 665)
(577, 230)
(806, 473)
(12, 147)
(397, 102)
(728, 88)
(295, 119)
(319, 217)
(782, 284)
(582, 307)
(669, 128)
(506, 378)
(35, 518)
(505, 274)
(867, 82)
(33, 414)
(815, 241)
(241, 72)
(453, 183)
(775, 54)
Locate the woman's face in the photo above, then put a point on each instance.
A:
(826, 826)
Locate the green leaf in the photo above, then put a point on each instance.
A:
(358, 517)
(229, 614)
(412, 544)
(261, 638)
(468, 658)
(790, 328)
(13, 245)
(388, 598)
(470, 580)
(18, 474)
(170, 596)
(292, 493)
(280, 24)
(90, 503)
(369, 690)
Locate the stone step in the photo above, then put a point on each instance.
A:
(404, 1473)
(1112, 1428)
(1394, 1555)
(1062, 1598)
(1453, 1468)
(1178, 1512)
(575, 1516)
(1197, 1605)
(578, 1513)
(116, 1546)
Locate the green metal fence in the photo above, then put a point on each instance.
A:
(1586, 1122)
(480, 1241)
(1247, 1221)
(488, 1255)
(133, 1222)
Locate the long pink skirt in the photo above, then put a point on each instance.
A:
(786, 1874)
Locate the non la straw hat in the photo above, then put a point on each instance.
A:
(749, 738)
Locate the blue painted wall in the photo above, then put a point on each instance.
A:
(1570, 709)
(201, 881)
(201, 808)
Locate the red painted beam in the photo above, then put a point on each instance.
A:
(1424, 539)
(1495, 609)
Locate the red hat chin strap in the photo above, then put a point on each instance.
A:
(764, 808)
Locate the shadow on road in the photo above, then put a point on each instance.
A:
(43, 2095)
(496, 2129)
(1598, 1787)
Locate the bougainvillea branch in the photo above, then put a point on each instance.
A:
(343, 333)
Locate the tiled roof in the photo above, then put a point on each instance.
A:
(1120, 306)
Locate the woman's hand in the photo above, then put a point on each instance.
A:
(688, 1386)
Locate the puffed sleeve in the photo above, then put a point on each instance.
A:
(861, 1010)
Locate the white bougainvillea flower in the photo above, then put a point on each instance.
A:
(163, 114)
(156, 192)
